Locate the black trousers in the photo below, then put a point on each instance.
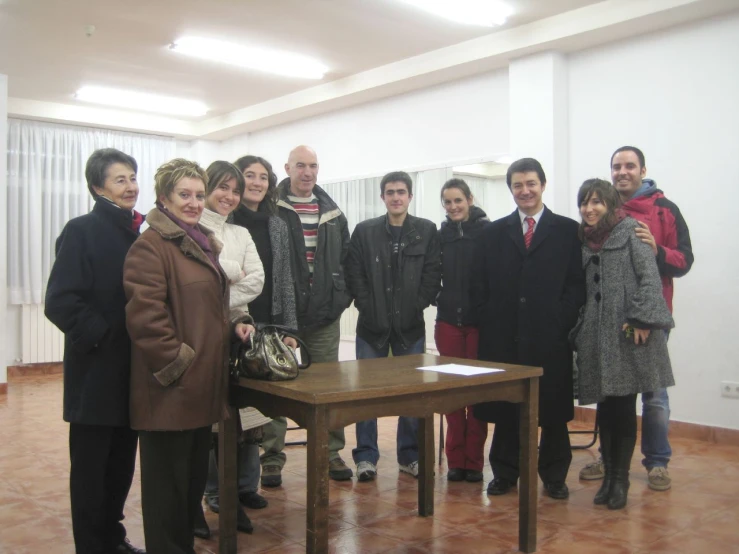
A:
(102, 464)
(555, 454)
(174, 468)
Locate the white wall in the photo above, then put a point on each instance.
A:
(674, 95)
(461, 120)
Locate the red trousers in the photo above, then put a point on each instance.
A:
(465, 435)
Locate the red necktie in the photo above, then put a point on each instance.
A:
(529, 231)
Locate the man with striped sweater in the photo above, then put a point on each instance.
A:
(319, 241)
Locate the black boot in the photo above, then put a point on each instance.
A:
(243, 523)
(623, 450)
(601, 497)
(200, 528)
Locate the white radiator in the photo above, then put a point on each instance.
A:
(42, 341)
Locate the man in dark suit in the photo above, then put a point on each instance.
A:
(528, 287)
(85, 299)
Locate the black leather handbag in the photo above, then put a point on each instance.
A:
(266, 357)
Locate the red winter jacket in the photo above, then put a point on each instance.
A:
(666, 223)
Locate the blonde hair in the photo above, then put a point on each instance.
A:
(170, 173)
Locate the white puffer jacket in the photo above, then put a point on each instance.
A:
(239, 260)
(243, 267)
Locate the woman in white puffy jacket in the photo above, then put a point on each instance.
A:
(243, 267)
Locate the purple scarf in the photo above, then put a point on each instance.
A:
(195, 234)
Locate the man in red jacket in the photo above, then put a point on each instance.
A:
(663, 228)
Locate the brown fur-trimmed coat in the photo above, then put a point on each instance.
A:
(177, 317)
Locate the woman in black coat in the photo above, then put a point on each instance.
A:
(85, 299)
(454, 334)
(528, 299)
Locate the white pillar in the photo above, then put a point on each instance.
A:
(539, 121)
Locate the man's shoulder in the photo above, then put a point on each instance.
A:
(422, 223)
(663, 202)
(370, 223)
(565, 221)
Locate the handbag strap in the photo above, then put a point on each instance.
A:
(286, 331)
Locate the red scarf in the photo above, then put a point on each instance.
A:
(596, 235)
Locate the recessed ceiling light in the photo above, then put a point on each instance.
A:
(140, 101)
(487, 13)
(270, 61)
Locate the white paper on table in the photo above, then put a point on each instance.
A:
(458, 369)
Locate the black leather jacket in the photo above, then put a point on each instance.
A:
(385, 303)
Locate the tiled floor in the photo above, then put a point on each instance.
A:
(699, 515)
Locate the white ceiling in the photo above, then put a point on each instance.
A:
(44, 50)
(373, 48)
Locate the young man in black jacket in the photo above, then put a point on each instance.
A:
(393, 272)
(85, 299)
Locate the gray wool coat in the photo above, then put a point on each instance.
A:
(623, 286)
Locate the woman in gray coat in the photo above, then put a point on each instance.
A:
(621, 338)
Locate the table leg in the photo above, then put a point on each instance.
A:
(426, 465)
(317, 513)
(227, 483)
(528, 480)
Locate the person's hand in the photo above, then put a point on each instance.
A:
(291, 342)
(640, 335)
(645, 235)
(244, 331)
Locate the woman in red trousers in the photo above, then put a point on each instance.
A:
(465, 437)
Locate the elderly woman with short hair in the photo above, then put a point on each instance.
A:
(179, 321)
(85, 299)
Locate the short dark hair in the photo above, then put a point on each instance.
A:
(269, 204)
(220, 171)
(399, 177)
(98, 163)
(525, 165)
(459, 184)
(635, 150)
(607, 194)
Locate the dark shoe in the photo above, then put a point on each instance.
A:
(127, 548)
(557, 490)
(473, 476)
(253, 500)
(456, 474)
(606, 464)
(213, 503)
(243, 523)
(604, 492)
(271, 476)
(339, 471)
(201, 529)
(499, 486)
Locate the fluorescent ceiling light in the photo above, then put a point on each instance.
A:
(504, 160)
(140, 101)
(270, 61)
(487, 13)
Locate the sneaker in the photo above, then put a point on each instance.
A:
(659, 479)
(271, 476)
(410, 469)
(339, 471)
(366, 471)
(593, 471)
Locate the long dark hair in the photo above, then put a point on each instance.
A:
(269, 204)
(607, 194)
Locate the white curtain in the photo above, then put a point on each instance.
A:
(491, 194)
(47, 188)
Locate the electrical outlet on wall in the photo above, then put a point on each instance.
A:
(729, 389)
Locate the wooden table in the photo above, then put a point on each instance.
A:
(334, 395)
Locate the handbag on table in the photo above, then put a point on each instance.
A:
(266, 357)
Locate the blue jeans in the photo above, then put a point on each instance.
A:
(248, 469)
(407, 434)
(655, 423)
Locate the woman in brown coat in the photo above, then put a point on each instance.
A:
(178, 319)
